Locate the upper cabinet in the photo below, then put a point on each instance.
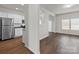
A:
(10, 15)
(18, 18)
(3, 14)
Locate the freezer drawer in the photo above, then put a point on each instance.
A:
(6, 32)
(6, 29)
(6, 36)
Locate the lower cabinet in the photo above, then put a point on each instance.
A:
(18, 32)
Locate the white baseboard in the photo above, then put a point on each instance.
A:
(44, 36)
(32, 50)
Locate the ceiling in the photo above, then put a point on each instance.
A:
(59, 8)
(13, 7)
(55, 8)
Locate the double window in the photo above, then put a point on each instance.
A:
(70, 24)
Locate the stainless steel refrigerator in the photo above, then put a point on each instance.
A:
(6, 28)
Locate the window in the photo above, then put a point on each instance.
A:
(70, 24)
(75, 24)
(65, 24)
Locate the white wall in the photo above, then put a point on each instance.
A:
(47, 23)
(52, 24)
(31, 32)
(44, 17)
(51, 19)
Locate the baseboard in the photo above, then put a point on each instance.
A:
(44, 37)
(31, 50)
(67, 34)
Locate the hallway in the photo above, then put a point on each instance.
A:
(60, 44)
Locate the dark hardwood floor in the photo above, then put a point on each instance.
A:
(13, 46)
(60, 44)
(54, 44)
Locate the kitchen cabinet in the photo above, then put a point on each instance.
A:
(18, 32)
(10, 15)
(2, 14)
(17, 21)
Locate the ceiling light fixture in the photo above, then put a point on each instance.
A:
(68, 5)
(22, 4)
(16, 8)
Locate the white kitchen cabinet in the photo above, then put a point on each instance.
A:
(18, 32)
(17, 19)
(10, 15)
(2, 14)
(23, 17)
(20, 18)
(17, 23)
(15, 16)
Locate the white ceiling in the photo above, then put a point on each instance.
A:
(13, 7)
(59, 8)
(55, 8)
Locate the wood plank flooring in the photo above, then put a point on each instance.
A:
(13, 46)
(60, 44)
(54, 44)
